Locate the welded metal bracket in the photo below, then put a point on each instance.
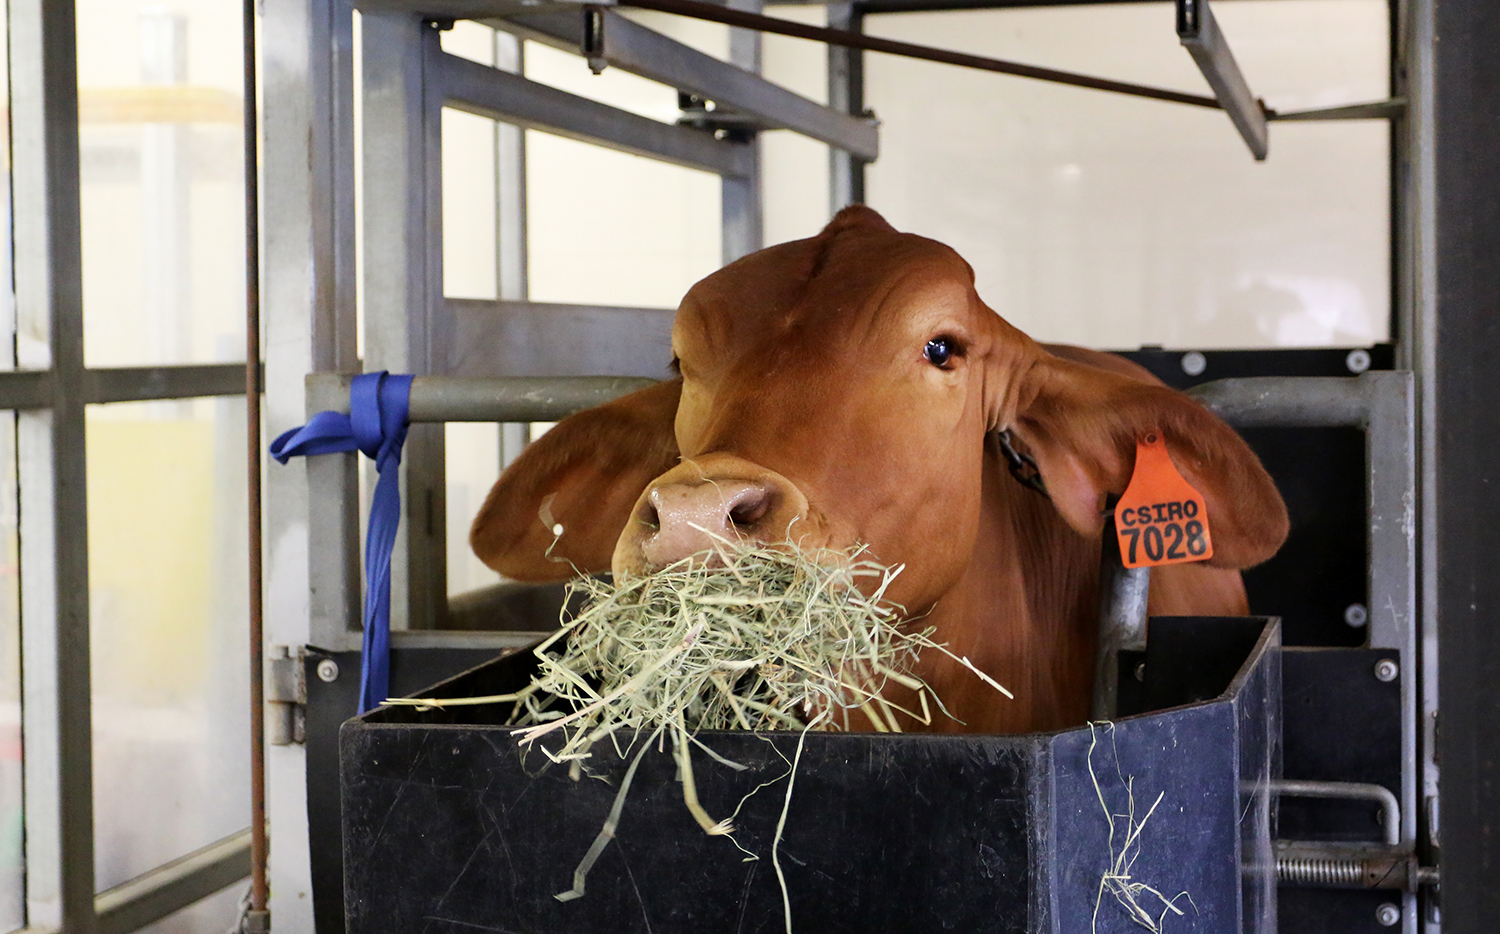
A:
(1200, 35)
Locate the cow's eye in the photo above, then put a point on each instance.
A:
(940, 350)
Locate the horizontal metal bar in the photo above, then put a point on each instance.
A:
(632, 47)
(150, 897)
(1348, 791)
(1201, 36)
(32, 389)
(25, 389)
(853, 40)
(145, 383)
(1292, 401)
(938, 6)
(501, 95)
(1371, 110)
(502, 399)
(471, 9)
(484, 338)
(453, 639)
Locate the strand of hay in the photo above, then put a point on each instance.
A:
(1116, 880)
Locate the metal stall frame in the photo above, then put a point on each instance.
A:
(312, 514)
(49, 392)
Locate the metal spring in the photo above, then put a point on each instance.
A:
(1319, 871)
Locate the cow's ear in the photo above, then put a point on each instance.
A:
(585, 475)
(1082, 423)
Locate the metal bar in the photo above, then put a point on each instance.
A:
(510, 185)
(132, 905)
(707, 11)
(1466, 422)
(940, 6)
(1390, 808)
(1415, 300)
(1290, 401)
(742, 214)
(25, 389)
(1123, 595)
(254, 457)
(1200, 35)
(502, 399)
(307, 250)
(483, 338)
(56, 685)
(846, 93)
(133, 384)
(403, 96)
(499, 95)
(632, 47)
(1372, 110)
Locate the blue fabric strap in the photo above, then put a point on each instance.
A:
(376, 425)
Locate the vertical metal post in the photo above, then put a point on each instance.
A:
(404, 280)
(57, 690)
(258, 918)
(307, 245)
(1466, 422)
(510, 184)
(744, 213)
(1414, 232)
(1123, 596)
(846, 92)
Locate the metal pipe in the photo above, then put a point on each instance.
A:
(1123, 594)
(1349, 791)
(717, 14)
(498, 399)
(259, 918)
(1291, 401)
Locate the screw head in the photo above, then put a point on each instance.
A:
(328, 670)
(1356, 615)
(1357, 361)
(1386, 670)
(1140, 672)
(1388, 914)
(1194, 363)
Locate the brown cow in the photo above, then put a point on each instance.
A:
(850, 388)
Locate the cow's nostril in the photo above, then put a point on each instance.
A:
(649, 517)
(750, 509)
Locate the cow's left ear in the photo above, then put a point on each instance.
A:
(584, 475)
(1082, 424)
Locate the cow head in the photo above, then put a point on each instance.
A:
(839, 390)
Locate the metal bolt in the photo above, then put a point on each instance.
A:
(1140, 672)
(1357, 361)
(1356, 615)
(328, 670)
(1388, 915)
(1194, 363)
(1386, 670)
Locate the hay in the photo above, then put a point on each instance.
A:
(770, 638)
(1116, 880)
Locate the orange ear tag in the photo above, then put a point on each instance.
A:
(1160, 519)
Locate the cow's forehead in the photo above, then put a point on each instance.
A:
(842, 278)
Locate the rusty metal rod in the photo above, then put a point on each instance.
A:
(258, 887)
(853, 40)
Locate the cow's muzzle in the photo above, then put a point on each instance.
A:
(704, 507)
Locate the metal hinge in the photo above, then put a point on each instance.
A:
(286, 697)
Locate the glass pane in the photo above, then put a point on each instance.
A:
(1111, 221)
(469, 232)
(610, 228)
(473, 465)
(794, 169)
(162, 181)
(166, 503)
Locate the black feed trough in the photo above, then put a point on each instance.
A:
(448, 828)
